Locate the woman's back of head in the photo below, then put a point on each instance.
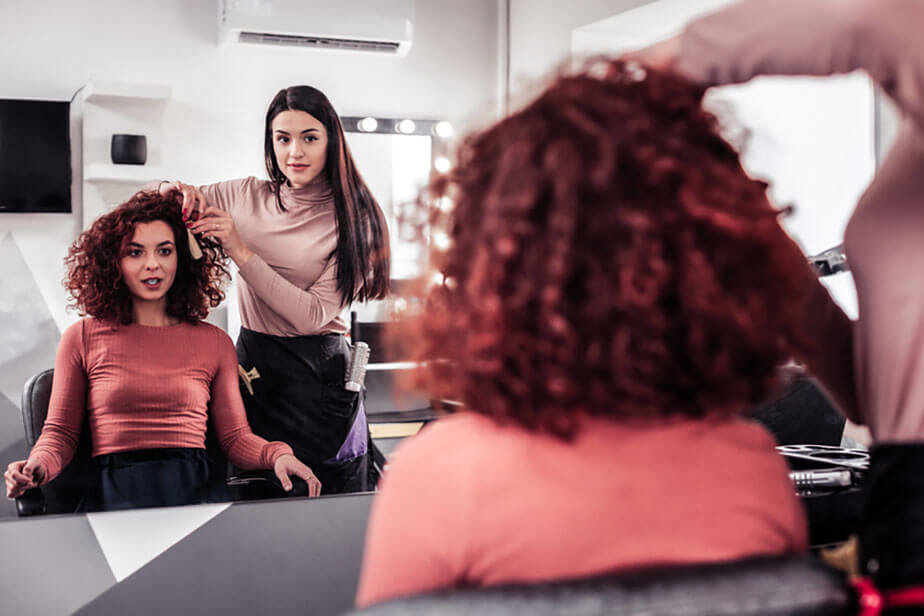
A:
(609, 256)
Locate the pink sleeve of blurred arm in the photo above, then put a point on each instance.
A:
(812, 37)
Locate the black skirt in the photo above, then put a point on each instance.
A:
(152, 478)
(294, 393)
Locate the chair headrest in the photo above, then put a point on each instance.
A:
(772, 586)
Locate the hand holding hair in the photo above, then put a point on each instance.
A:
(662, 55)
(193, 199)
(216, 223)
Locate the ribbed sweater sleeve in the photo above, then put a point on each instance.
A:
(66, 407)
(812, 37)
(244, 448)
(304, 309)
(290, 282)
(224, 194)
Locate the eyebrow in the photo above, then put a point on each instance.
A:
(165, 243)
(308, 130)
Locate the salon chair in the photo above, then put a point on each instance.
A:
(766, 586)
(64, 493)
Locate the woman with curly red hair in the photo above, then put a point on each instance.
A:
(617, 290)
(144, 370)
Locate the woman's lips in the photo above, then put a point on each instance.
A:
(298, 167)
(152, 283)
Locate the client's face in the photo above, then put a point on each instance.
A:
(150, 262)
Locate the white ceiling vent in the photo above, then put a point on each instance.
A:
(381, 26)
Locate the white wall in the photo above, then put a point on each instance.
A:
(212, 125)
(540, 36)
(812, 139)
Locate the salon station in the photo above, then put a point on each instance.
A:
(102, 99)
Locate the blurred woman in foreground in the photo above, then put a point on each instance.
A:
(617, 289)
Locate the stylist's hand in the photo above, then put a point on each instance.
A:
(286, 465)
(22, 475)
(219, 224)
(662, 55)
(193, 199)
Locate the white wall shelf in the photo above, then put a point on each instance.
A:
(113, 92)
(122, 174)
(102, 109)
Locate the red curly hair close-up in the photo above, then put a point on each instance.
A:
(610, 257)
(94, 278)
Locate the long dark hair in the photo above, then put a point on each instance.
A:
(363, 255)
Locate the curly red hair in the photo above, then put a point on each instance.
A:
(94, 278)
(609, 256)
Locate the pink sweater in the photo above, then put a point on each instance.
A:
(147, 388)
(289, 286)
(467, 502)
(875, 368)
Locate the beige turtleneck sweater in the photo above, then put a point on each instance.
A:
(289, 286)
(885, 237)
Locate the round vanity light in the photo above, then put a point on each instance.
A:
(441, 240)
(443, 129)
(445, 204)
(442, 164)
(368, 125)
(406, 126)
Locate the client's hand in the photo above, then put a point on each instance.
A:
(286, 465)
(22, 475)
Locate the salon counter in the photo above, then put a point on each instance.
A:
(290, 556)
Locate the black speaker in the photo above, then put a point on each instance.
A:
(129, 149)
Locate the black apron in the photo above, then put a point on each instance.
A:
(293, 392)
(892, 522)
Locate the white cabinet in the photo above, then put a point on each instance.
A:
(100, 110)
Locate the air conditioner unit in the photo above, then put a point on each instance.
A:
(383, 26)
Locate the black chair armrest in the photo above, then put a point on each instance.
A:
(31, 503)
(263, 483)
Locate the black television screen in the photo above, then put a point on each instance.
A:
(35, 156)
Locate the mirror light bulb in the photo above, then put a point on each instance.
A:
(406, 126)
(441, 241)
(442, 164)
(368, 125)
(443, 129)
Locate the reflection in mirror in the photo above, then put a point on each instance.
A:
(396, 157)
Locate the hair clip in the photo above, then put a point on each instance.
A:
(194, 249)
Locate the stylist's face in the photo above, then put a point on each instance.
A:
(300, 144)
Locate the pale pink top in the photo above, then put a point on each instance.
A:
(885, 237)
(289, 286)
(469, 503)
